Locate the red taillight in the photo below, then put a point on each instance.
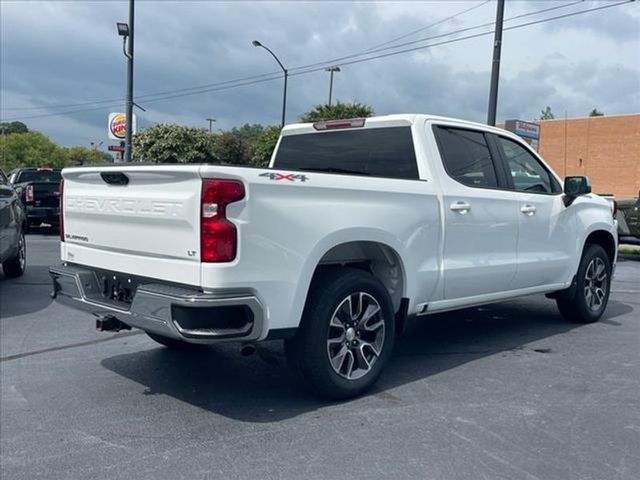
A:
(61, 227)
(218, 236)
(28, 196)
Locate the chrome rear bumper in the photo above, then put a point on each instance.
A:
(183, 313)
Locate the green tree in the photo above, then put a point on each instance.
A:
(229, 148)
(547, 114)
(337, 111)
(30, 149)
(12, 127)
(596, 113)
(83, 155)
(248, 132)
(165, 143)
(264, 146)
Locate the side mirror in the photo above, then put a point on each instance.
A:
(576, 186)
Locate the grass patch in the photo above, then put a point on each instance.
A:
(629, 250)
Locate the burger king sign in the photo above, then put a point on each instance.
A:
(118, 126)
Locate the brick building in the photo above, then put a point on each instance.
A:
(606, 149)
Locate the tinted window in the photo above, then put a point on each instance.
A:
(50, 176)
(527, 172)
(379, 152)
(466, 156)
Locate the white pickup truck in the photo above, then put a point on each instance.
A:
(355, 226)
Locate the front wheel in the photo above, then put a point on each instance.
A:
(587, 300)
(346, 334)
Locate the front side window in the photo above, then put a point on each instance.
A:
(466, 157)
(527, 172)
(379, 152)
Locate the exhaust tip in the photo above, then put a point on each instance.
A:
(247, 349)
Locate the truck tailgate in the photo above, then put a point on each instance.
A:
(45, 194)
(141, 220)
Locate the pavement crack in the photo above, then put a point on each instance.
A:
(65, 347)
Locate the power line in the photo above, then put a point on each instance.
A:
(476, 35)
(435, 24)
(374, 49)
(361, 60)
(441, 35)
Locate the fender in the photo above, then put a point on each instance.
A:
(335, 239)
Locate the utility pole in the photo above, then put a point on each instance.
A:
(331, 70)
(495, 68)
(210, 120)
(129, 105)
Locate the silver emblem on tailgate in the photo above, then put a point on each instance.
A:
(159, 208)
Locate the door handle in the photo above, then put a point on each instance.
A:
(460, 207)
(528, 209)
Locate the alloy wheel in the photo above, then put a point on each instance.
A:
(595, 284)
(356, 335)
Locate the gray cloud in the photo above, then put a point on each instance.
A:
(58, 53)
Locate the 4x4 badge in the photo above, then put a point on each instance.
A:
(292, 177)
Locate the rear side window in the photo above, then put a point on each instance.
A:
(379, 152)
(466, 157)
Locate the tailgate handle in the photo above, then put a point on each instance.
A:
(114, 178)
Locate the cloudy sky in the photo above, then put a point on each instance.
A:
(62, 69)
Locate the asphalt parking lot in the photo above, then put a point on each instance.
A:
(509, 391)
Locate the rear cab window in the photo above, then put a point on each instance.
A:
(378, 152)
(43, 175)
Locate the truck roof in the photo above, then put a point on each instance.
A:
(394, 120)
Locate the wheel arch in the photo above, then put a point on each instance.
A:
(605, 239)
(338, 249)
(378, 258)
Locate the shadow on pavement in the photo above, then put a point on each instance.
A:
(26, 294)
(260, 389)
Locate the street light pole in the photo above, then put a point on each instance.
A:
(495, 68)
(331, 70)
(210, 120)
(256, 43)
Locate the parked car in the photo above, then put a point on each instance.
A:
(629, 218)
(355, 226)
(39, 189)
(13, 250)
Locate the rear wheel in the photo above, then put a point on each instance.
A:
(346, 334)
(16, 265)
(586, 301)
(173, 343)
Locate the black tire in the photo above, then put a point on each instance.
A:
(172, 343)
(309, 351)
(580, 302)
(16, 265)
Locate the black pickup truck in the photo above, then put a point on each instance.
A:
(39, 189)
